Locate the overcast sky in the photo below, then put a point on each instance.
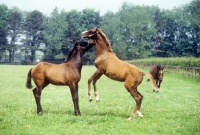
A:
(47, 6)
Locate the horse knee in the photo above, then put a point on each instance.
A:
(75, 99)
(89, 80)
(140, 95)
(36, 93)
(138, 99)
(94, 82)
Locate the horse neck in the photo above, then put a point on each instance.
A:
(102, 45)
(77, 60)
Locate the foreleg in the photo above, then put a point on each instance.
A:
(159, 82)
(94, 79)
(75, 98)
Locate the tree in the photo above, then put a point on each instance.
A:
(111, 24)
(181, 38)
(169, 44)
(54, 28)
(14, 30)
(194, 15)
(159, 36)
(137, 28)
(78, 22)
(3, 22)
(74, 27)
(90, 18)
(34, 27)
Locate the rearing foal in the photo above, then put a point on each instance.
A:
(67, 73)
(108, 63)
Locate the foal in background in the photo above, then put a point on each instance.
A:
(157, 72)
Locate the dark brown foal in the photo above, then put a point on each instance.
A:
(67, 73)
(157, 72)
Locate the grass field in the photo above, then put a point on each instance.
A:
(174, 110)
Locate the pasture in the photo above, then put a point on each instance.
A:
(174, 110)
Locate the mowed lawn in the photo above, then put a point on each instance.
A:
(174, 110)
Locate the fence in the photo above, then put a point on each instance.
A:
(189, 71)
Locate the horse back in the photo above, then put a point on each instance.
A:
(57, 74)
(116, 69)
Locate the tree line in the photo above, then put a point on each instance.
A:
(134, 31)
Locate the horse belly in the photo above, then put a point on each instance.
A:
(114, 76)
(116, 73)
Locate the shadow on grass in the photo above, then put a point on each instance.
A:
(87, 113)
(59, 112)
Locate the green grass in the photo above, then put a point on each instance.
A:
(174, 110)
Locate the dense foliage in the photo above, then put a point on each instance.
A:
(134, 31)
(183, 61)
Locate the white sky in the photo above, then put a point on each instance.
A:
(47, 6)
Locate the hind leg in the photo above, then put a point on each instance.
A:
(138, 111)
(94, 79)
(37, 95)
(138, 99)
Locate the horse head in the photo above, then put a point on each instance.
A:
(160, 72)
(102, 42)
(83, 44)
(91, 34)
(81, 47)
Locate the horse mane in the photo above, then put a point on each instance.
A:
(70, 54)
(107, 40)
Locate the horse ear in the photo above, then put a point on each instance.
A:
(158, 67)
(96, 29)
(75, 42)
(162, 68)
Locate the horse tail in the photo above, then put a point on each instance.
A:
(28, 81)
(153, 83)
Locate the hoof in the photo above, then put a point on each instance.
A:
(78, 114)
(40, 113)
(97, 101)
(140, 114)
(129, 118)
(90, 98)
(156, 91)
